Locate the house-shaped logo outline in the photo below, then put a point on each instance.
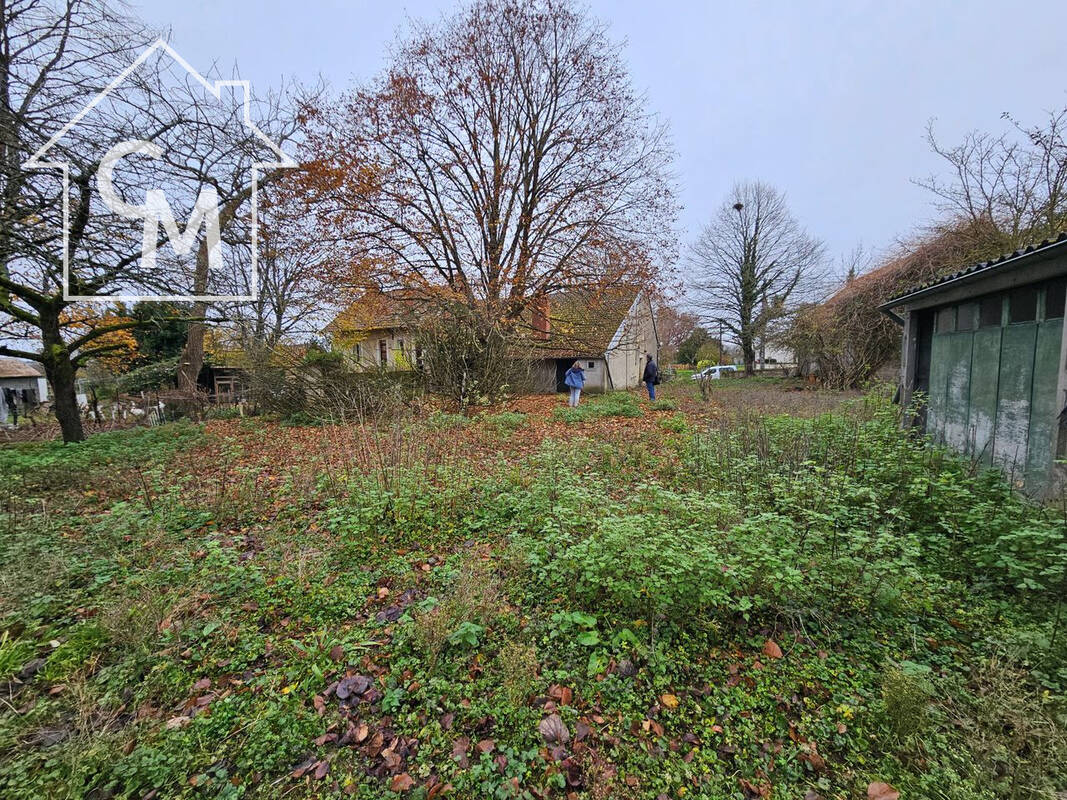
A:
(284, 161)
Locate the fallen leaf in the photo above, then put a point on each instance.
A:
(771, 649)
(301, 770)
(459, 751)
(553, 729)
(337, 653)
(669, 701)
(881, 791)
(564, 694)
(401, 783)
(321, 769)
(485, 745)
(353, 684)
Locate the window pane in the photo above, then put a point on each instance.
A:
(965, 315)
(1022, 304)
(989, 311)
(1055, 293)
(944, 319)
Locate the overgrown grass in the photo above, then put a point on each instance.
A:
(769, 606)
(611, 404)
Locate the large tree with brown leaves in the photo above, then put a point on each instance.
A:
(504, 155)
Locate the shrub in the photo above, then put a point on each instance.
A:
(665, 404)
(906, 693)
(457, 617)
(469, 359)
(517, 664)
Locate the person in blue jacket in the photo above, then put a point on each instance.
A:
(575, 379)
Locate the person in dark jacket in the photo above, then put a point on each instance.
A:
(575, 379)
(651, 376)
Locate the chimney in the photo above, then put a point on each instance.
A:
(540, 321)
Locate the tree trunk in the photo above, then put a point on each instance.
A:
(61, 373)
(193, 353)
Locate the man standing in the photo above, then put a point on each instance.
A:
(651, 376)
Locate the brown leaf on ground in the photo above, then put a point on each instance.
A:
(352, 685)
(321, 769)
(881, 791)
(401, 783)
(485, 745)
(300, 770)
(459, 751)
(669, 701)
(771, 649)
(553, 729)
(564, 694)
(337, 653)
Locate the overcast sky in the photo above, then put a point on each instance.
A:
(828, 102)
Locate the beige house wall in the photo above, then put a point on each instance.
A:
(399, 349)
(635, 340)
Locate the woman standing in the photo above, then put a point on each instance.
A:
(575, 379)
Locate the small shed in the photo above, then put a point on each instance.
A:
(22, 388)
(609, 332)
(985, 346)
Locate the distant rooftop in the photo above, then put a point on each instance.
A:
(20, 368)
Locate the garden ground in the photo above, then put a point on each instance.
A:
(771, 593)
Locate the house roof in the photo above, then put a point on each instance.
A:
(1013, 260)
(19, 368)
(581, 322)
(376, 310)
(584, 322)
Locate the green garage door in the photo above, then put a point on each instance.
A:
(993, 386)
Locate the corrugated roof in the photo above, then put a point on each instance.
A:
(19, 368)
(1021, 255)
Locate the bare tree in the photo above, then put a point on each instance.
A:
(673, 326)
(503, 155)
(295, 295)
(752, 264)
(56, 58)
(1015, 181)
